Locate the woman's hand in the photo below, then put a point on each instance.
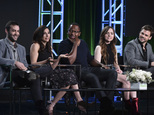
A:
(50, 59)
(119, 71)
(63, 55)
(104, 66)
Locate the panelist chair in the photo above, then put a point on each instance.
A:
(9, 86)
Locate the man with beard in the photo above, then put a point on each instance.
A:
(138, 52)
(12, 53)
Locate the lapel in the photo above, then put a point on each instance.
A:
(8, 51)
(148, 51)
(139, 46)
(19, 52)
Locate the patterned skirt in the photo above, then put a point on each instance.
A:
(58, 78)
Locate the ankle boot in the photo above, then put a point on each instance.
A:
(135, 106)
(128, 105)
(40, 106)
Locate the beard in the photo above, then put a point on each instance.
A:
(143, 41)
(11, 38)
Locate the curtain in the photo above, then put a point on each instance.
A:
(88, 14)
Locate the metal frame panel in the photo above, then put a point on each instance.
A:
(46, 17)
(113, 15)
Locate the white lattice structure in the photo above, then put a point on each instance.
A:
(47, 16)
(113, 15)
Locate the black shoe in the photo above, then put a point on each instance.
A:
(107, 110)
(83, 105)
(30, 75)
(106, 107)
(41, 108)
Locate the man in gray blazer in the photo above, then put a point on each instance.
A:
(138, 52)
(12, 53)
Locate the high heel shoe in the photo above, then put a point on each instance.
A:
(41, 107)
(50, 112)
(50, 109)
(83, 105)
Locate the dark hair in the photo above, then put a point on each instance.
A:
(148, 28)
(9, 23)
(72, 24)
(37, 38)
(104, 46)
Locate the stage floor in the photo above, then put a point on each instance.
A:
(28, 108)
(146, 104)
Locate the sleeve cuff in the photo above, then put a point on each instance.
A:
(149, 64)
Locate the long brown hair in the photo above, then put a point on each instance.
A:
(37, 38)
(104, 46)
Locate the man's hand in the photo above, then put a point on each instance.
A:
(152, 63)
(20, 66)
(75, 41)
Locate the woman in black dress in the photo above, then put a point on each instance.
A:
(106, 53)
(41, 53)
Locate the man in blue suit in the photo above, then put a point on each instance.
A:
(12, 53)
(138, 52)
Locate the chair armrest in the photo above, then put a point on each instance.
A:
(68, 65)
(129, 67)
(34, 66)
(75, 67)
(8, 68)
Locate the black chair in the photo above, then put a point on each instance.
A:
(9, 86)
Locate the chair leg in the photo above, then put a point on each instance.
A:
(11, 102)
(50, 95)
(19, 102)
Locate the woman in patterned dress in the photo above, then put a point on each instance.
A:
(41, 54)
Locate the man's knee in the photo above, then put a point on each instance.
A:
(113, 74)
(90, 79)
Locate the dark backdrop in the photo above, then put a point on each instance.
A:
(86, 12)
(138, 13)
(25, 12)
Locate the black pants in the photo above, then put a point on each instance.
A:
(17, 77)
(94, 76)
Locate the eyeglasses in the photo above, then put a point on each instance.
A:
(72, 31)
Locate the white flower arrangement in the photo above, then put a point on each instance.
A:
(139, 76)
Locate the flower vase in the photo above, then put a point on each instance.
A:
(139, 85)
